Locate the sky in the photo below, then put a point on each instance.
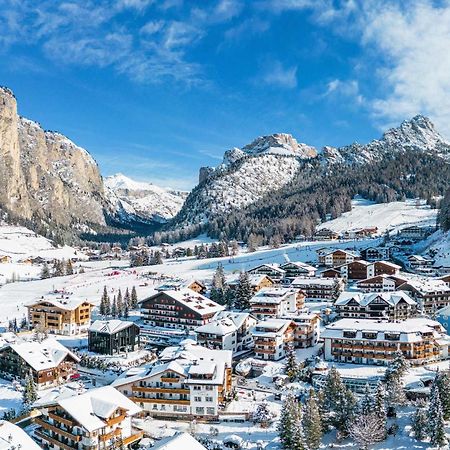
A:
(154, 89)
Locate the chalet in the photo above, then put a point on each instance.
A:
(385, 267)
(415, 233)
(385, 305)
(326, 235)
(182, 308)
(190, 382)
(376, 253)
(356, 270)
(446, 279)
(271, 270)
(272, 337)
(4, 259)
(375, 342)
(257, 282)
(228, 330)
(294, 269)
(331, 273)
(13, 437)
(319, 288)
(419, 262)
(381, 283)
(360, 233)
(60, 315)
(49, 362)
(180, 440)
(276, 302)
(96, 419)
(307, 329)
(431, 293)
(197, 286)
(337, 258)
(112, 337)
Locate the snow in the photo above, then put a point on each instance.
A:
(390, 217)
(11, 398)
(11, 437)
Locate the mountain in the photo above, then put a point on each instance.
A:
(52, 185)
(276, 184)
(143, 200)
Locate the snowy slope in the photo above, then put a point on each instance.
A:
(144, 199)
(385, 216)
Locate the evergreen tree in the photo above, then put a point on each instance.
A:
(366, 430)
(262, 415)
(69, 267)
(289, 427)
(45, 272)
(366, 404)
(397, 368)
(244, 292)
(420, 424)
(114, 307)
(379, 405)
(218, 285)
(29, 395)
(58, 269)
(127, 299)
(443, 383)
(436, 425)
(134, 299)
(103, 302)
(156, 258)
(119, 304)
(126, 310)
(312, 422)
(291, 367)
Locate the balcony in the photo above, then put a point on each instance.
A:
(110, 435)
(160, 390)
(133, 438)
(49, 426)
(64, 420)
(170, 379)
(113, 420)
(164, 401)
(46, 438)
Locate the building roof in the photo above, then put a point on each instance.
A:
(274, 267)
(93, 407)
(11, 436)
(60, 301)
(191, 300)
(110, 326)
(219, 327)
(179, 441)
(254, 279)
(304, 281)
(427, 285)
(391, 298)
(271, 327)
(300, 265)
(272, 295)
(43, 355)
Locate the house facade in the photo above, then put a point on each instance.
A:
(294, 269)
(182, 309)
(381, 283)
(273, 271)
(337, 258)
(272, 338)
(111, 337)
(60, 315)
(431, 294)
(276, 302)
(327, 289)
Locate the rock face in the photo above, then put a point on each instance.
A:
(143, 200)
(44, 175)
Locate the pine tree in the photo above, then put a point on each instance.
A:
(289, 427)
(58, 269)
(218, 285)
(443, 383)
(366, 404)
(103, 302)
(420, 424)
(379, 405)
(262, 415)
(397, 368)
(312, 422)
(119, 304)
(156, 258)
(69, 267)
(436, 425)
(127, 298)
(291, 367)
(45, 272)
(29, 395)
(134, 299)
(244, 292)
(366, 430)
(126, 310)
(114, 307)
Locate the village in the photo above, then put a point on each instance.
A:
(212, 346)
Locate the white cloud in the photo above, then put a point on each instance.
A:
(277, 75)
(344, 88)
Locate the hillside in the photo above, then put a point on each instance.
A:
(292, 193)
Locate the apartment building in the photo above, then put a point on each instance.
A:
(190, 382)
(272, 337)
(276, 302)
(430, 293)
(182, 309)
(361, 269)
(368, 341)
(229, 330)
(271, 270)
(307, 329)
(384, 305)
(97, 419)
(337, 257)
(256, 281)
(60, 315)
(111, 337)
(381, 283)
(376, 253)
(49, 362)
(327, 289)
(294, 269)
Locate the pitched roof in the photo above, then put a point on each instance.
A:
(11, 436)
(110, 326)
(392, 298)
(179, 441)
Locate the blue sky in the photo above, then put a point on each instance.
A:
(157, 88)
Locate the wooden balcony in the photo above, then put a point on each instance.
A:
(170, 379)
(110, 435)
(46, 438)
(133, 438)
(265, 350)
(114, 420)
(166, 401)
(160, 390)
(49, 426)
(64, 420)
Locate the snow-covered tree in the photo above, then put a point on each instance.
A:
(244, 292)
(262, 415)
(114, 307)
(104, 302)
(443, 383)
(45, 271)
(69, 267)
(29, 394)
(290, 427)
(420, 424)
(397, 368)
(366, 402)
(366, 430)
(291, 366)
(312, 422)
(436, 425)
(119, 304)
(219, 287)
(379, 405)
(134, 299)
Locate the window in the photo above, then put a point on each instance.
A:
(209, 399)
(199, 410)
(210, 410)
(197, 399)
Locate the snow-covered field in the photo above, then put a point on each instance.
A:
(386, 216)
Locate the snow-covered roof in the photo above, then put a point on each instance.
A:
(254, 279)
(392, 298)
(275, 267)
(409, 330)
(43, 355)
(11, 436)
(191, 300)
(272, 295)
(299, 265)
(219, 327)
(238, 318)
(61, 302)
(92, 408)
(271, 327)
(177, 442)
(110, 326)
(303, 281)
(428, 285)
